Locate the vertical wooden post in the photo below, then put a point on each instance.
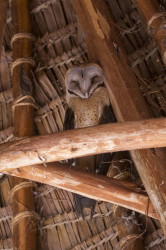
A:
(155, 23)
(3, 16)
(127, 100)
(24, 221)
(21, 69)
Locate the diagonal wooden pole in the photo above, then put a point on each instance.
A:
(128, 103)
(91, 185)
(24, 221)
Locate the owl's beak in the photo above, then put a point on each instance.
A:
(85, 89)
(86, 95)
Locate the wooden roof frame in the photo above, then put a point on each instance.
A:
(100, 33)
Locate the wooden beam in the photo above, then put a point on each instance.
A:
(155, 23)
(81, 142)
(3, 17)
(23, 206)
(23, 110)
(102, 39)
(87, 184)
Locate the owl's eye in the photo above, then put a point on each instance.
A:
(73, 84)
(97, 79)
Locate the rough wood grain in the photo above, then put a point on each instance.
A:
(102, 41)
(87, 184)
(81, 142)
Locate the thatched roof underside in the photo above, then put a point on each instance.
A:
(58, 45)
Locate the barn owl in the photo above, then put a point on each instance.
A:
(89, 105)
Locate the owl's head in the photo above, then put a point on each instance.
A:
(82, 81)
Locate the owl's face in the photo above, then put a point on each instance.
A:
(84, 80)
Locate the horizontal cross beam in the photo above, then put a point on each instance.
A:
(82, 142)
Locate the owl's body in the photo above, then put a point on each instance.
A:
(88, 112)
(88, 99)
